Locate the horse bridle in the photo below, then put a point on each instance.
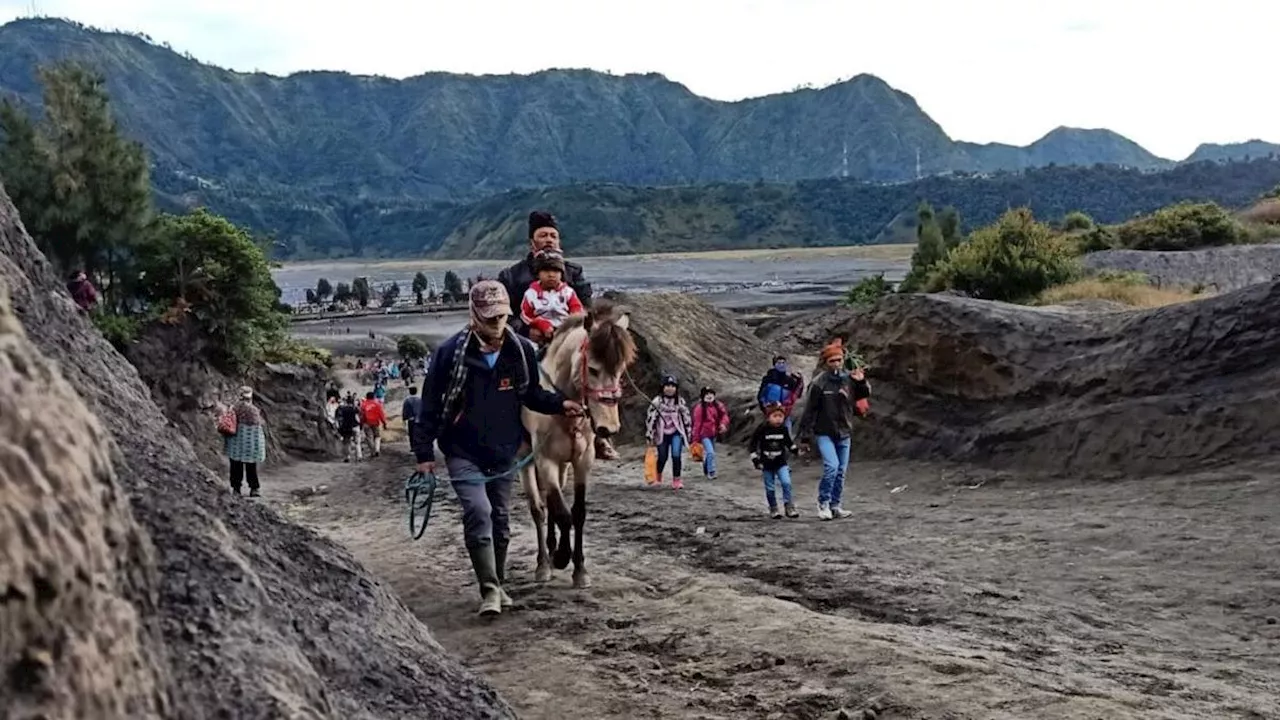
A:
(605, 396)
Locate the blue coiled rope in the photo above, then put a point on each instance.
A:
(420, 492)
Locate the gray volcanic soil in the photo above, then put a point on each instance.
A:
(1220, 269)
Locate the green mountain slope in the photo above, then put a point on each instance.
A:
(446, 136)
(1234, 151)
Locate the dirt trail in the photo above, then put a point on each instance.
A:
(965, 595)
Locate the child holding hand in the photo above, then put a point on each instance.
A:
(771, 445)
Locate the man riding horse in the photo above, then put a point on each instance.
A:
(544, 234)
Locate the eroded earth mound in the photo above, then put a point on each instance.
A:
(183, 601)
(1056, 390)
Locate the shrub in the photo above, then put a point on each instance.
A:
(1185, 226)
(1266, 212)
(119, 330)
(868, 291)
(1076, 221)
(1013, 260)
(411, 348)
(295, 352)
(1096, 239)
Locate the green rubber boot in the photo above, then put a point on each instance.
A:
(482, 561)
(500, 565)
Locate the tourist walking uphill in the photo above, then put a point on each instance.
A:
(667, 428)
(771, 446)
(480, 379)
(710, 422)
(245, 441)
(347, 418)
(780, 386)
(828, 420)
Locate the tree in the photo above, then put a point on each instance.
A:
(81, 187)
(311, 296)
(323, 289)
(949, 224)
(411, 348)
(453, 287)
(1076, 221)
(343, 294)
(420, 285)
(390, 294)
(1013, 260)
(361, 291)
(931, 248)
(868, 291)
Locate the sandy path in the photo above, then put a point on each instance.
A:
(966, 595)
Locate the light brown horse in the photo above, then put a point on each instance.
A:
(585, 362)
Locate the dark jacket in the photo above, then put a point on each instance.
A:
(520, 276)
(487, 431)
(829, 409)
(409, 410)
(770, 445)
(779, 387)
(348, 418)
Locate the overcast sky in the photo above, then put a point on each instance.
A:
(1167, 73)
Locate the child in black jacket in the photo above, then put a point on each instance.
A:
(770, 446)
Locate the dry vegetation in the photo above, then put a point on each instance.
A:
(1133, 294)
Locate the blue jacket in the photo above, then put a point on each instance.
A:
(777, 387)
(487, 431)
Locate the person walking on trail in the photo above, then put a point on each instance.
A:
(771, 446)
(549, 299)
(710, 422)
(667, 427)
(828, 420)
(374, 417)
(82, 291)
(480, 379)
(780, 386)
(247, 448)
(348, 420)
(409, 412)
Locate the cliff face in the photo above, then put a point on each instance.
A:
(139, 587)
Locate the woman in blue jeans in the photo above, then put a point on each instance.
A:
(828, 420)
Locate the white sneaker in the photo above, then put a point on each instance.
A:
(824, 511)
(840, 513)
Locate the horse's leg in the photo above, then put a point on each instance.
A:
(581, 470)
(538, 509)
(563, 552)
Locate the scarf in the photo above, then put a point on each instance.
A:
(458, 373)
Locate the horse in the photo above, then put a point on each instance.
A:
(585, 361)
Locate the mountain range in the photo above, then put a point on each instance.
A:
(287, 154)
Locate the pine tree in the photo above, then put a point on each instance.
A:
(420, 284)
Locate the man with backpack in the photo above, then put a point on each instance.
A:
(348, 420)
(480, 380)
(374, 418)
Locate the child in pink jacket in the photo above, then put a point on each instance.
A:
(710, 421)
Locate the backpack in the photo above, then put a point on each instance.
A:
(227, 423)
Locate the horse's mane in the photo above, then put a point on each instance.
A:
(608, 343)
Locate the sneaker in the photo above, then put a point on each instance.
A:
(824, 511)
(791, 510)
(775, 513)
(712, 476)
(839, 513)
(254, 493)
(677, 484)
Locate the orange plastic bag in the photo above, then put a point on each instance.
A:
(651, 466)
(696, 452)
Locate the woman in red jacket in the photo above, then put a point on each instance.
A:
(710, 421)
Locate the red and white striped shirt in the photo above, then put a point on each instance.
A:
(544, 310)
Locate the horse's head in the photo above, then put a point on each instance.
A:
(604, 354)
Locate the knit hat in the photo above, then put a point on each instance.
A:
(489, 300)
(834, 349)
(540, 219)
(548, 260)
(670, 380)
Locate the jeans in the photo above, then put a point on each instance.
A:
(709, 457)
(486, 506)
(783, 476)
(238, 472)
(352, 442)
(835, 462)
(671, 446)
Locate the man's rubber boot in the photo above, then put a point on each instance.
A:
(482, 562)
(500, 564)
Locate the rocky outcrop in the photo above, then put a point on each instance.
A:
(687, 337)
(1055, 390)
(202, 605)
(1220, 269)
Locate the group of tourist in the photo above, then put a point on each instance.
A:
(483, 376)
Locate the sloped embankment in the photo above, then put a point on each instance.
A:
(687, 337)
(1055, 390)
(1219, 269)
(185, 602)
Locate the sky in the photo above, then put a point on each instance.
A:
(1168, 74)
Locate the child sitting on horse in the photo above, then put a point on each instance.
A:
(549, 299)
(770, 446)
(710, 421)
